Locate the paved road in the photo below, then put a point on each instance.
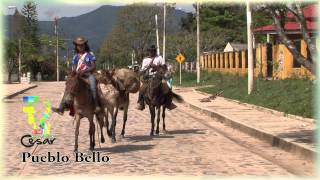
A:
(194, 145)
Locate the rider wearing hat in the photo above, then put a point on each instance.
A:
(83, 63)
(148, 64)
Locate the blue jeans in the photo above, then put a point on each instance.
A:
(93, 85)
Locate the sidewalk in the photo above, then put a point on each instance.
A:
(14, 89)
(290, 134)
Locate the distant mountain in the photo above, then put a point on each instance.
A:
(94, 25)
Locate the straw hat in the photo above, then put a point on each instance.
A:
(80, 41)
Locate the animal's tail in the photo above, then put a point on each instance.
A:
(177, 97)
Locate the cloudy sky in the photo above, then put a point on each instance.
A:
(47, 10)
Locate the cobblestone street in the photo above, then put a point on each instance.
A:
(194, 145)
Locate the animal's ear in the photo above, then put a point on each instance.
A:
(107, 74)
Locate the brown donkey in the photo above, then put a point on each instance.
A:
(77, 91)
(115, 96)
(156, 98)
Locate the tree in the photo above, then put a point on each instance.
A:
(30, 42)
(134, 31)
(30, 30)
(11, 58)
(279, 12)
(182, 42)
(221, 23)
(12, 44)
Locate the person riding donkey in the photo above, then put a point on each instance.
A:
(83, 63)
(149, 64)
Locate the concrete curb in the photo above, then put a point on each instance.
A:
(260, 134)
(9, 96)
(260, 108)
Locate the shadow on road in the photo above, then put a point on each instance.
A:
(146, 137)
(125, 148)
(187, 131)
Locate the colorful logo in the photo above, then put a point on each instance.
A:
(41, 128)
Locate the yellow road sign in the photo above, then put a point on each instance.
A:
(180, 58)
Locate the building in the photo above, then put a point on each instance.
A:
(230, 47)
(291, 27)
(271, 60)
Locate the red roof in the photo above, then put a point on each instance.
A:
(289, 26)
(309, 13)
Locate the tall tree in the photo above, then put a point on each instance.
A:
(12, 44)
(279, 14)
(222, 23)
(30, 29)
(135, 31)
(11, 58)
(30, 42)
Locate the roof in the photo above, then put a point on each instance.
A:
(230, 47)
(289, 26)
(309, 13)
(238, 46)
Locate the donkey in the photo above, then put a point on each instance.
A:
(155, 97)
(113, 98)
(77, 92)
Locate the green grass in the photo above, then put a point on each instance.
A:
(292, 96)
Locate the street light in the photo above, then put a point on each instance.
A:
(164, 29)
(198, 45)
(19, 57)
(157, 34)
(250, 48)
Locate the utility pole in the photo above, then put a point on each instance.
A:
(19, 59)
(250, 50)
(57, 46)
(67, 57)
(132, 59)
(157, 33)
(164, 33)
(198, 45)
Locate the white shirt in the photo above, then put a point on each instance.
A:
(158, 60)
